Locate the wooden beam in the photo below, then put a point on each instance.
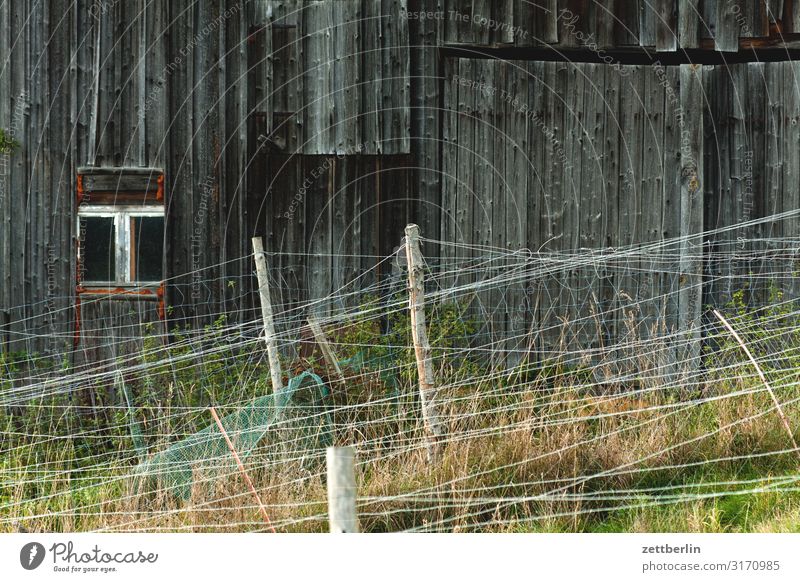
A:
(327, 351)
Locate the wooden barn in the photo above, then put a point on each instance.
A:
(147, 141)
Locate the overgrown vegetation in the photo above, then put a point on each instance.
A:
(539, 448)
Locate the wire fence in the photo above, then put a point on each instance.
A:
(571, 395)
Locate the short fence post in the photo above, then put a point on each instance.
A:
(266, 312)
(422, 349)
(342, 490)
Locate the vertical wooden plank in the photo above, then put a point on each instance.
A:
(154, 110)
(234, 230)
(20, 169)
(318, 78)
(346, 77)
(426, 106)
(737, 165)
(58, 255)
(465, 165)
(5, 170)
(519, 83)
(118, 45)
(774, 10)
(459, 27)
(708, 20)
(345, 182)
(572, 22)
(371, 71)
(261, 62)
(207, 203)
(774, 127)
(791, 165)
(523, 23)
(688, 23)
(666, 25)
(497, 199)
(671, 209)
(480, 12)
(691, 253)
(609, 150)
(395, 124)
(726, 38)
(757, 19)
(632, 128)
(83, 39)
(288, 64)
(544, 29)
(574, 117)
(651, 200)
(556, 163)
(39, 185)
(755, 186)
(626, 27)
(485, 174)
(718, 178)
(180, 175)
(319, 218)
(450, 152)
(606, 18)
(502, 13)
(360, 185)
(590, 213)
(647, 23)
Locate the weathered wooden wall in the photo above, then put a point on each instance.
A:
(178, 85)
(665, 25)
(239, 101)
(330, 220)
(753, 165)
(578, 163)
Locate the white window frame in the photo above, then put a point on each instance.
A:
(122, 215)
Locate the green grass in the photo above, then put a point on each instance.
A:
(520, 435)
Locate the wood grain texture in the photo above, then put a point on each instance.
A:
(239, 103)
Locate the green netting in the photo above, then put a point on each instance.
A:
(206, 451)
(172, 469)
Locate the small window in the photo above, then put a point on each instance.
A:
(120, 227)
(120, 245)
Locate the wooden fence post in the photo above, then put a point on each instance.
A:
(422, 349)
(266, 312)
(327, 351)
(342, 490)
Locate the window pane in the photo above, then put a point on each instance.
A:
(147, 239)
(97, 248)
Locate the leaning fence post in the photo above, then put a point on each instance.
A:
(342, 490)
(266, 312)
(327, 351)
(419, 334)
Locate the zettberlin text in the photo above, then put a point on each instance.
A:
(665, 549)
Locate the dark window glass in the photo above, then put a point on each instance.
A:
(97, 248)
(147, 240)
